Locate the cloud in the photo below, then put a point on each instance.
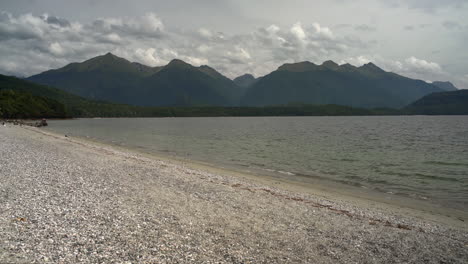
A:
(238, 56)
(23, 27)
(56, 49)
(365, 28)
(56, 20)
(30, 44)
(298, 31)
(426, 5)
(422, 66)
(322, 32)
(452, 25)
(206, 33)
(148, 25)
(56, 41)
(196, 61)
(148, 57)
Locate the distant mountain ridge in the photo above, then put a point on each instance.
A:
(245, 80)
(329, 83)
(444, 103)
(115, 79)
(178, 83)
(446, 86)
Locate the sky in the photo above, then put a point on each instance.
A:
(422, 39)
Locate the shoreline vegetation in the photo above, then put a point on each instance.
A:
(92, 202)
(21, 99)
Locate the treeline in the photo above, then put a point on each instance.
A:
(23, 105)
(287, 110)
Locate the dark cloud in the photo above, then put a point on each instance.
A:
(56, 21)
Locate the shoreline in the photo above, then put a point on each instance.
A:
(328, 190)
(66, 194)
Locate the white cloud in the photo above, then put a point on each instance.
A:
(357, 61)
(324, 32)
(206, 33)
(238, 56)
(422, 66)
(113, 37)
(23, 27)
(298, 31)
(195, 61)
(273, 29)
(56, 49)
(148, 57)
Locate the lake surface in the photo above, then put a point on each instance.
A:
(425, 158)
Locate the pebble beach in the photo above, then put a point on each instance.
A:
(68, 200)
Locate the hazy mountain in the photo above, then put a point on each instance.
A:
(445, 103)
(245, 80)
(330, 83)
(115, 79)
(446, 86)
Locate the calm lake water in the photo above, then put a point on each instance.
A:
(421, 157)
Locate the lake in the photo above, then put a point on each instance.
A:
(421, 157)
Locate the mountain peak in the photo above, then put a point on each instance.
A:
(245, 80)
(298, 67)
(348, 66)
(447, 86)
(178, 63)
(371, 67)
(330, 64)
(106, 58)
(211, 72)
(108, 55)
(245, 76)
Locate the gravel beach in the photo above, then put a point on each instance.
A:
(67, 200)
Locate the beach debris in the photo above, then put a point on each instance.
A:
(405, 227)
(20, 219)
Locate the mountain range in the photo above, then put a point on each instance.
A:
(367, 86)
(118, 80)
(24, 99)
(115, 79)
